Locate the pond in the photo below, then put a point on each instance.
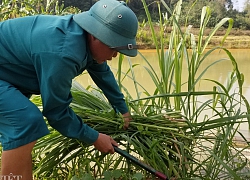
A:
(218, 72)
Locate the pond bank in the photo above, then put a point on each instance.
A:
(237, 39)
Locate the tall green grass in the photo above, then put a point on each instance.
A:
(19, 8)
(213, 133)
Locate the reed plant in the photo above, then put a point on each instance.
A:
(224, 108)
(19, 8)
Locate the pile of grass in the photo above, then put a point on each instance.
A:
(167, 141)
(159, 140)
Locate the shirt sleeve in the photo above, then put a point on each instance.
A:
(55, 76)
(105, 80)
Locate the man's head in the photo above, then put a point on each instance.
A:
(100, 51)
(113, 23)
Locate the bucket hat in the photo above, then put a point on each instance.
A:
(113, 23)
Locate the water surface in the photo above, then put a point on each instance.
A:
(219, 72)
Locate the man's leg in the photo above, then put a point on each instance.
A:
(18, 162)
(21, 124)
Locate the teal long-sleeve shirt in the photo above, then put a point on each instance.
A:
(41, 55)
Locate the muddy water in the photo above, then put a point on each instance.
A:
(218, 72)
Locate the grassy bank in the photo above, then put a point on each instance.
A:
(237, 39)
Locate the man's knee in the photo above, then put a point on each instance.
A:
(24, 149)
(33, 119)
(23, 131)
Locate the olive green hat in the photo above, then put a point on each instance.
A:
(113, 23)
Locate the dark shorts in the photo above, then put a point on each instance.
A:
(21, 122)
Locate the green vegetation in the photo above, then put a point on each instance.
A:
(172, 129)
(19, 8)
(220, 9)
(238, 38)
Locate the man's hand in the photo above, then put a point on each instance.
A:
(104, 143)
(127, 118)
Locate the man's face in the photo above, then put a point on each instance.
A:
(100, 51)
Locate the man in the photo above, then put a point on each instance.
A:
(41, 55)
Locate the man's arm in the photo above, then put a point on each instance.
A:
(55, 74)
(105, 80)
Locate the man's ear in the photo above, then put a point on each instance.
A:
(94, 38)
(91, 37)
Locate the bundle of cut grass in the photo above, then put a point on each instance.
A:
(158, 140)
(165, 141)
